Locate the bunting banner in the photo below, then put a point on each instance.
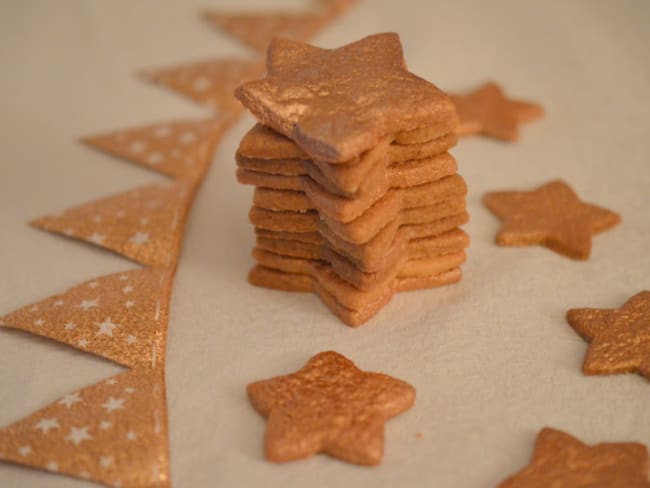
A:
(210, 83)
(181, 149)
(121, 317)
(144, 224)
(115, 431)
(257, 30)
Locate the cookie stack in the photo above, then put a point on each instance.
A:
(355, 206)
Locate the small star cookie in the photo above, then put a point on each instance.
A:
(329, 406)
(562, 461)
(619, 338)
(488, 111)
(551, 215)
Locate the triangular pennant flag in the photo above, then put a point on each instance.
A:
(335, 8)
(180, 149)
(121, 317)
(210, 82)
(113, 432)
(144, 224)
(257, 30)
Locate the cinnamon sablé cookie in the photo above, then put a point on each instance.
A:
(562, 461)
(551, 215)
(489, 112)
(619, 338)
(356, 196)
(329, 406)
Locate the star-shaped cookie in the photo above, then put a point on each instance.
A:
(551, 215)
(562, 461)
(337, 103)
(619, 338)
(488, 111)
(329, 406)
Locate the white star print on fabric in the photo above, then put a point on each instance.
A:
(123, 277)
(34, 308)
(24, 450)
(162, 131)
(130, 435)
(111, 381)
(129, 303)
(144, 220)
(127, 289)
(201, 83)
(93, 284)
(86, 304)
(45, 424)
(129, 390)
(78, 435)
(82, 343)
(106, 461)
(114, 404)
(155, 158)
(139, 238)
(105, 425)
(96, 238)
(70, 399)
(52, 466)
(59, 303)
(137, 147)
(106, 328)
(69, 325)
(120, 214)
(131, 339)
(187, 137)
(39, 322)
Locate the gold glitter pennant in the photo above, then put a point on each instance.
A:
(210, 82)
(113, 432)
(121, 317)
(334, 8)
(257, 30)
(144, 224)
(179, 149)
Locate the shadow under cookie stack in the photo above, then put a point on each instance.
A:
(354, 230)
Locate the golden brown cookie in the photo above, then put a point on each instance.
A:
(619, 338)
(551, 215)
(366, 84)
(488, 111)
(562, 461)
(262, 149)
(345, 209)
(312, 245)
(362, 310)
(347, 294)
(360, 231)
(288, 175)
(365, 281)
(329, 406)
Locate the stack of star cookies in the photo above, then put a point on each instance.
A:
(356, 195)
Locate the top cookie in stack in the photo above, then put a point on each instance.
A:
(357, 196)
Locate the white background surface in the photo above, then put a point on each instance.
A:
(492, 358)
